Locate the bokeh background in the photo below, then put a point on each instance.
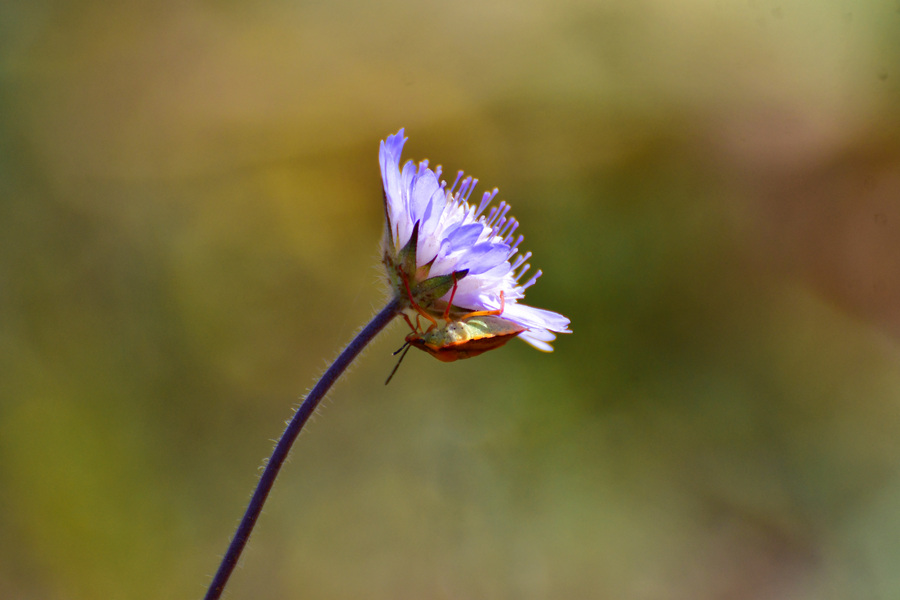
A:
(190, 210)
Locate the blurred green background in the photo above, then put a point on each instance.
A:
(190, 210)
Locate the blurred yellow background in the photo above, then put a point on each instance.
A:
(190, 210)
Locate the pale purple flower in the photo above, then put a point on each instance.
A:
(453, 237)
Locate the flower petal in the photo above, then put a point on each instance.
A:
(538, 338)
(536, 318)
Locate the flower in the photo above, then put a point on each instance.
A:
(447, 259)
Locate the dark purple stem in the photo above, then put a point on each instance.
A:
(287, 440)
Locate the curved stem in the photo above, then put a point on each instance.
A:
(287, 440)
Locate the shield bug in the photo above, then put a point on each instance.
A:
(465, 338)
(462, 337)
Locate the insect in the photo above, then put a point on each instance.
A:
(463, 337)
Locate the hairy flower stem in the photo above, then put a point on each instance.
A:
(287, 440)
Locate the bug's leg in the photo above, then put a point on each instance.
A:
(422, 312)
(485, 313)
(415, 305)
(450, 302)
(408, 322)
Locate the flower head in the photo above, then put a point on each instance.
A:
(449, 259)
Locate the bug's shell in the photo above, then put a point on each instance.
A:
(465, 338)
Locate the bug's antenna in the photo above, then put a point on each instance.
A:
(404, 348)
